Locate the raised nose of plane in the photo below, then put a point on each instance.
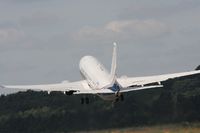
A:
(86, 60)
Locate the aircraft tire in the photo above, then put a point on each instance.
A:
(82, 100)
(87, 100)
(122, 97)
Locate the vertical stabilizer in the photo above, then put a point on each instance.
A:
(114, 63)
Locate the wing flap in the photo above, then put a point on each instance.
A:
(79, 87)
(142, 81)
(75, 86)
(139, 88)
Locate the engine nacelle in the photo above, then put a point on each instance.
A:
(69, 92)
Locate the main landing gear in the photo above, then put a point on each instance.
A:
(119, 97)
(122, 97)
(85, 100)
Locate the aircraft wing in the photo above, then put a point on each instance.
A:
(139, 83)
(79, 87)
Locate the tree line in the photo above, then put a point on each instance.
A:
(31, 112)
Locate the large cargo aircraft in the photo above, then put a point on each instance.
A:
(97, 80)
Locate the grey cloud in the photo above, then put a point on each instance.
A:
(158, 9)
(39, 19)
(23, 1)
(8, 24)
(123, 30)
(8, 35)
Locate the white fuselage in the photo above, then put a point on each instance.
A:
(94, 72)
(96, 75)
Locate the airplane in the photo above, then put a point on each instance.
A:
(97, 80)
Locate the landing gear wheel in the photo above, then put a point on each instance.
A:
(82, 100)
(87, 101)
(122, 97)
(116, 100)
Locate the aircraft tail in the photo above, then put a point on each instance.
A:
(114, 63)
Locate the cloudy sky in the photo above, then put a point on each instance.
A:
(42, 41)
